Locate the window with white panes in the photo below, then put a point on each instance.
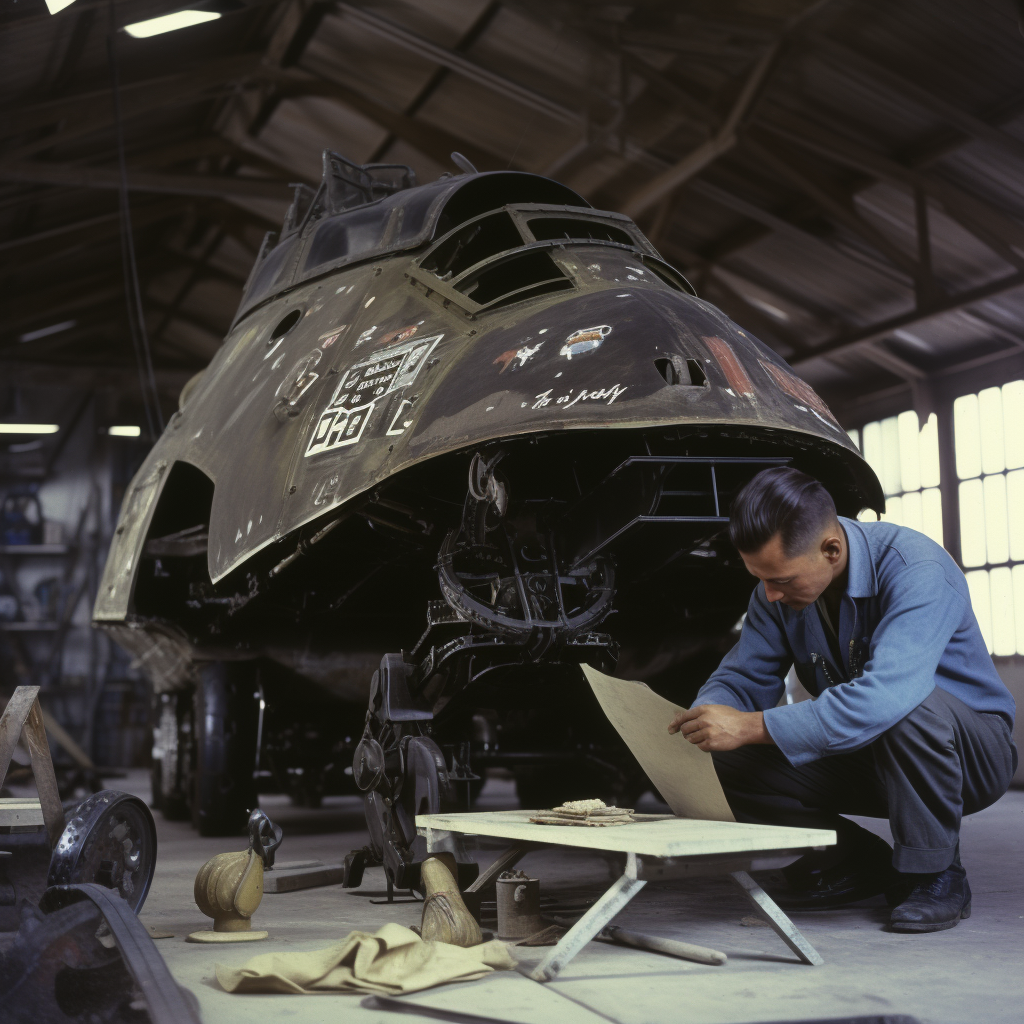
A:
(905, 457)
(988, 433)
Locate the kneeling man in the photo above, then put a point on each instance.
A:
(909, 720)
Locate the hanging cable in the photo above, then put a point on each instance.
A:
(132, 289)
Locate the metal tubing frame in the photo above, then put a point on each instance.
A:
(780, 923)
(622, 890)
(595, 920)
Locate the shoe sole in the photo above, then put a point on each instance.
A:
(911, 926)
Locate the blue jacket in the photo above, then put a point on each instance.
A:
(905, 625)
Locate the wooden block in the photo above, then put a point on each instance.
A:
(16, 812)
(291, 880)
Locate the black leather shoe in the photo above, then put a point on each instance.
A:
(834, 887)
(936, 902)
(865, 871)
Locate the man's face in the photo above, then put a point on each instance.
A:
(795, 580)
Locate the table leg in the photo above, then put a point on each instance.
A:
(783, 927)
(592, 922)
(509, 859)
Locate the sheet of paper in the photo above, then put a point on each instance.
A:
(683, 773)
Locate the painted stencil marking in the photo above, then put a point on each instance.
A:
(344, 420)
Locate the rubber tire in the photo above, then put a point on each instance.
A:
(226, 720)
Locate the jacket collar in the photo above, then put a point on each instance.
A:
(862, 581)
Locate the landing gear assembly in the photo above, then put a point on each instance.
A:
(509, 603)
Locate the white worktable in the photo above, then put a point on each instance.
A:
(656, 848)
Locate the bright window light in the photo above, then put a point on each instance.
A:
(28, 428)
(905, 456)
(972, 523)
(53, 6)
(990, 414)
(45, 332)
(169, 23)
(967, 437)
(1013, 423)
(1015, 520)
(989, 441)
(124, 431)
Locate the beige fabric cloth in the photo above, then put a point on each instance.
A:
(393, 961)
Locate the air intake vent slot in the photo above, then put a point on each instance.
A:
(677, 370)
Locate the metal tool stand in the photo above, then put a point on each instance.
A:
(624, 888)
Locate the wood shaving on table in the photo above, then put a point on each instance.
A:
(581, 806)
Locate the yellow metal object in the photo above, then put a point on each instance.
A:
(229, 888)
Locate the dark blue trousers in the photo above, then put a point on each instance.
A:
(942, 761)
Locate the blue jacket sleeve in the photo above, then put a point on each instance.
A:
(752, 676)
(921, 610)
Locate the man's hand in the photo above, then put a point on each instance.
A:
(720, 727)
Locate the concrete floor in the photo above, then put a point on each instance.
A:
(971, 973)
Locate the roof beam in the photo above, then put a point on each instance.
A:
(36, 373)
(36, 172)
(460, 64)
(721, 142)
(946, 304)
(781, 225)
(873, 72)
(435, 143)
(991, 226)
(93, 228)
(85, 113)
(838, 207)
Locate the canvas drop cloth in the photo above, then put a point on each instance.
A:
(393, 961)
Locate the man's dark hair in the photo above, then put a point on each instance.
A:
(780, 501)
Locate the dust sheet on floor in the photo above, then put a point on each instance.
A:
(392, 961)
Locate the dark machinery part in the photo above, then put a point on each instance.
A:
(403, 773)
(84, 956)
(171, 772)
(225, 725)
(110, 839)
(264, 837)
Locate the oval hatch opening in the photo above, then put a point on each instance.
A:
(286, 324)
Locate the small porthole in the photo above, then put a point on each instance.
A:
(286, 324)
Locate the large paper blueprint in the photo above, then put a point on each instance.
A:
(682, 773)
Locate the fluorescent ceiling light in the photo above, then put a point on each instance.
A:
(53, 6)
(169, 23)
(124, 431)
(28, 428)
(45, 332)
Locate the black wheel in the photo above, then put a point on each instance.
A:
(172, 746)
(110, 838)
(225, 721)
